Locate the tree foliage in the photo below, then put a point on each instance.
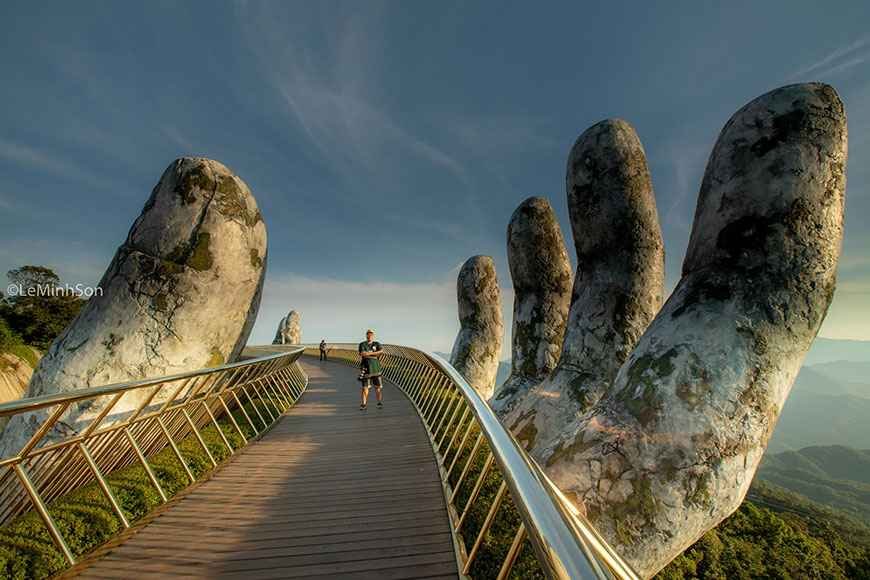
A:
(38, 317)
(791, 539)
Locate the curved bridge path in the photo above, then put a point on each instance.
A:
(330, 491)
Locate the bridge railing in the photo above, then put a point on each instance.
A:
(508, 519)
(82, 436)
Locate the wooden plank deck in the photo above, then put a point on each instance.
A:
(331, 491)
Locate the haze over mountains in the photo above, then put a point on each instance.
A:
(834, 475)
(830, 401)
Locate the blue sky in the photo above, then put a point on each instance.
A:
(405, 131)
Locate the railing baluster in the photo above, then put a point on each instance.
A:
(245, 413)
(513, 552)
(460, 448)
(477, 444)
(438, 405)
(232, 418)
(263, 402)
(490, 516)
(475, 491)
(145, 465)
(176, 450)
(250, 400)
(103, 484)
(455, 430)
(199, 438)
(53, 531)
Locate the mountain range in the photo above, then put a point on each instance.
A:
(834, 475)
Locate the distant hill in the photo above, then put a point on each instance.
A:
(835, 378)
(810, 418)
(852, 377)
(826, 350)
(835, 475)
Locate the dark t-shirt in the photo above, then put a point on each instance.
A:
(366, 346)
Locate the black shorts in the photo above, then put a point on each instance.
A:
(366, 381)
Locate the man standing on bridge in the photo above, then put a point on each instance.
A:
(370, 369)
(322, 349)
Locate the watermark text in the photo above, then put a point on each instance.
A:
(53, 291)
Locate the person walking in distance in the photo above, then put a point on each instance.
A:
(370, 369)
(323, 349)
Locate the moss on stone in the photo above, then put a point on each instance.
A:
(112, 341)
(196, 177)
(230, 200)
(696, 385)
(568, 450)
(256, 260)
(160, 302)
(201, 258)
(640, 396)
(638, 509)
(698, 490)
(216, 358)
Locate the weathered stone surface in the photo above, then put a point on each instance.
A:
(619, 279)
(671, 448)
(478, 344)
(289, 329)
(541, 274)
(181, 293)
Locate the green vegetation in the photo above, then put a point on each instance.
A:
(500, 535)
(85, 517)
(38, 319)
(777, 534)
(11, 343)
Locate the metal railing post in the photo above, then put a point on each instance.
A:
(53, 531)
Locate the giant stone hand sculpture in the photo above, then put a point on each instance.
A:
(181, 293)
(618, 284)
(541, 274)
(656, 432)
(289, 329)
(478, 344)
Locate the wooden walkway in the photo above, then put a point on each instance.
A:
(331, 491)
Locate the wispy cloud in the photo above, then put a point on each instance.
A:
(837, 61)
(173, 134)
(21, 154)
(353, 132)
(330, 94)
(687, 159)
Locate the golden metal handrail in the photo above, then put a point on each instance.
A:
(499, 500)
(67, 452)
